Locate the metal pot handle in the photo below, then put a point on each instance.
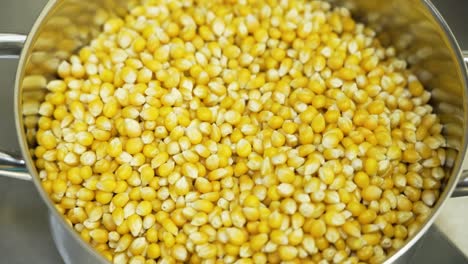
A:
(10, 166)
(11, 45)
(462, 186)
(13, 167)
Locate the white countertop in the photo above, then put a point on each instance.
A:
(453, 220)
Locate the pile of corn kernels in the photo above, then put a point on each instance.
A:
(250, 131)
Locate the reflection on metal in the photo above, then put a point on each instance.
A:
(9, 159)
(13, 167)
(465, 56)
(11, 45)
(15, 172)
(462, 189)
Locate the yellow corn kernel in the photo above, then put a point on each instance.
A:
(120, 199)
(371, 193)
(153, 251)
(251, 201)
(416, 88)
(334, 218)
(277, 139)
(287, 253)
(243, 148)
(236, 236)
(317, 228)
(204, 114)
(371, 166)
(206, 251)
(367, 216)
(144, 208)
(376, 107)
(203, 205)
(47, 140)
(352, 229)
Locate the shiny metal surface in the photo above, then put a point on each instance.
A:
(15, 173)
(450, 69)
(11, 45)
(9, 159)
(13, 167)
(462, 188)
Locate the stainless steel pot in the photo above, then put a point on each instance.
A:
(414, 27)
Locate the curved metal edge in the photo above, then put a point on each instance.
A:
(11, 45)
(456, 174)
(465, 56)
(46, 11)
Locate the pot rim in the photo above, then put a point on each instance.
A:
(53, 5)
